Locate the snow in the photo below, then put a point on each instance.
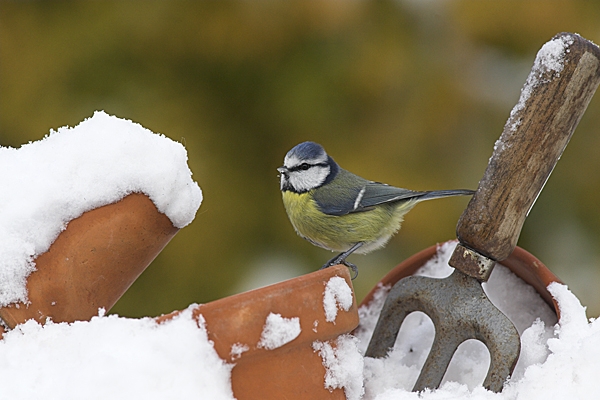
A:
(337, 295)
(46, 184)
(343, 364)
(278, 331)
(237, 349)
(549, 59)
(113, 358)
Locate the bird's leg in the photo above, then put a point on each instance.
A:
(341, 259)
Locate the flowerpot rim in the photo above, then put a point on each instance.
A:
(522, 263)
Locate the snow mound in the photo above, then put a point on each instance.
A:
(46, 184)
(113, 358)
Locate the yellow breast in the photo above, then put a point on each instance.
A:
(339, 233)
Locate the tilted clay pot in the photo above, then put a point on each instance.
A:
(93, 262)
(294, 370)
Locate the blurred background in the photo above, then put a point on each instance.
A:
(413, 93)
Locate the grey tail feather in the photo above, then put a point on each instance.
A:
(445, 193)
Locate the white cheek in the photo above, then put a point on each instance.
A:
(309, 179)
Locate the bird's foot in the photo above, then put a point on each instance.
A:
(342, 260)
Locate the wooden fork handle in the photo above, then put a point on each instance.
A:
(564, 77)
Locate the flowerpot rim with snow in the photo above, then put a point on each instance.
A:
(93, 262)
(293, 368)
(522, 263)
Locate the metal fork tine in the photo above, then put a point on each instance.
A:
(460, 310)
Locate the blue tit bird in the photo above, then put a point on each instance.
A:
(340, 211)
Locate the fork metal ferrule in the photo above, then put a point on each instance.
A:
(472, 263)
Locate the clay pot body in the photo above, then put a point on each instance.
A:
(93, 262)
(294, 370)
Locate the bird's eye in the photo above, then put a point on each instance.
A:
(304, 166)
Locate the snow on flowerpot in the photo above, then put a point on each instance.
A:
(84, 211)
(276, 336)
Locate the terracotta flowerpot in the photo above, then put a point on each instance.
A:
(520, 262)
(93, 262)
(294, 370)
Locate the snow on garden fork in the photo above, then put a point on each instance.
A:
(564, 77)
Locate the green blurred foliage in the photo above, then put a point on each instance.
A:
(412, 93)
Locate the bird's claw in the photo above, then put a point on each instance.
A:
(348, 264)
(354, 269)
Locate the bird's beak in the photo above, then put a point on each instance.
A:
(283, 176)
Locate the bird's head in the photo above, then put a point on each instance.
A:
(305, 167)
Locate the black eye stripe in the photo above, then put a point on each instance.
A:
(306, 166)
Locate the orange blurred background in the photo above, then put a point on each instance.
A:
(411, 93)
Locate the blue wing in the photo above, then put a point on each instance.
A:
(350, 193)
(376, 193)
(379, 193)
